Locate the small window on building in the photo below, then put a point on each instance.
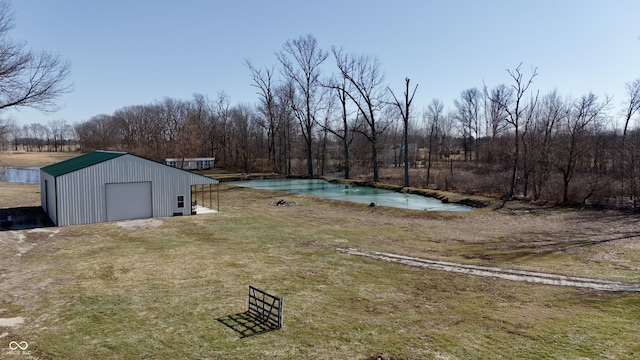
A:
(180, 201)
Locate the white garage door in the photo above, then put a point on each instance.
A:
(126, 201)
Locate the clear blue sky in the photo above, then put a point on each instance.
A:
(138, 51)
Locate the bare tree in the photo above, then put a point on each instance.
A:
(67, 136)
(515, 110)
(199, 119)
(346, 127)
(141, 129)
(328, 113)
(586, 113)
(57, 128)
(172, 114)
(6, 129)
(404, 109)
(286, 131)
(551, 112)
(447, 144)
(242, 137)
(6, 126)
(41, 135)
(220, 124)
(16, 134)
(628, 154)
(469, 116)
(633, 90)
(301, 59)
(263, 82)
(495, 104)
(28, 78)
(368, 94)
(527, 140)
(433, 116)
(630, 167)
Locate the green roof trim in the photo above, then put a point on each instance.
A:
(80, 162)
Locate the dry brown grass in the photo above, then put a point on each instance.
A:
(16, 194)
(23, 159)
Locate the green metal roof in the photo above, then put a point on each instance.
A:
(80, 162)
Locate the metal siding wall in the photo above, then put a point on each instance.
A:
(48, 204)
(82, 194)
(81, 198)
(43, 201)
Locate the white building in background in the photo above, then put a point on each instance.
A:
(191, 163)
(106, 186)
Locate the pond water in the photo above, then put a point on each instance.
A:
(20, 175)
(359, 194)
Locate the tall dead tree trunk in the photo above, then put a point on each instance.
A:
(404, 109)
(433, 115)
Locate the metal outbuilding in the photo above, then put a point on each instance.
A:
(191, 163)
(106, 186)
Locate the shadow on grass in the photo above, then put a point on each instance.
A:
(543, 244)
(25, 218)
(246, 324)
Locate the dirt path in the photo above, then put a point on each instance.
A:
(515, 275)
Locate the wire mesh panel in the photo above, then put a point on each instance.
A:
(266, 307)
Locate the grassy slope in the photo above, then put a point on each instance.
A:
(104, 292)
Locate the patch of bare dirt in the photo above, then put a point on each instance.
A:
(139, 224)
(487, 271)
(21, 283)
(9, 322)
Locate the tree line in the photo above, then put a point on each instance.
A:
(30, 79)
(331, 112)
(56, 135)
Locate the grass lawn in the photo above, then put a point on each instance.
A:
(156, 288)
(23, 159)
